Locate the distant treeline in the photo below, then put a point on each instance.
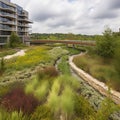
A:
(61, 36)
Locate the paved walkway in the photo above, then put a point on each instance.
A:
(99, 86)
(19, 53)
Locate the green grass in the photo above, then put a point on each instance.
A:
(63, 65)
(99, 68)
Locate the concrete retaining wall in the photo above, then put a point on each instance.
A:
(96, 84)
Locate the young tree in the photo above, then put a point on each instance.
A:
(14, 40)
(2, 65)
(105, 46)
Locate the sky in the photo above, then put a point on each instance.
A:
(72, 16)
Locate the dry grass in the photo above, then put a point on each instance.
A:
(99, 68)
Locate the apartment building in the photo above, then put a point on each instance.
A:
(13, 18)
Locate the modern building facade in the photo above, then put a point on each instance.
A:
(13, 18)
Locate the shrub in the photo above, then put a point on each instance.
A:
(47, 72)
(51, 71)
(14, 40)
(16, 99)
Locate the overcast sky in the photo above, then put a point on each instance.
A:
(72, 16)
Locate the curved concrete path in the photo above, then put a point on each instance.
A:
(19, 53)
(99, 86)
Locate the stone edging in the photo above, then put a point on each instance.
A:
(96, 84)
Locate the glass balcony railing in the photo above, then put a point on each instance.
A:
(7, 29)
(8, 23)
(22, 30)
(23, 15)
(8, 9)
(24, 25)
(25, 20)
(7, 15)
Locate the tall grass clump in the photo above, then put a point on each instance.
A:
(41, 85)
(40, 89)
(4, 115)
(67, 102)
(42, 112)
(61, 97)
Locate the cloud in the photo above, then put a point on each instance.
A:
(77, 16)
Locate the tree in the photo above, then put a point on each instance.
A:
(105, 46)
(14, 40)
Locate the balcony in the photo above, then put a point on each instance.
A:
(25, 20)
(7, 29)
(7, 15)
(24, 25)
(23, 15)
(22, 31)
(9, 9)
(8, 23)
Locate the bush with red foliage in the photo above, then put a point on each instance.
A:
(47, 71)
(51, 71)
(19, 101)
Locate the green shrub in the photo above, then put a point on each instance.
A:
(14, 40)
